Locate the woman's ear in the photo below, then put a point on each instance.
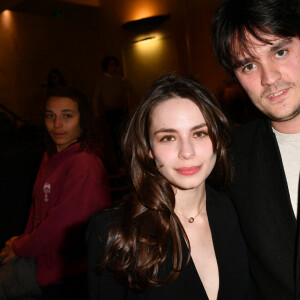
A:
(151, 154)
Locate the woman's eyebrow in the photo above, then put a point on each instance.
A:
(199, 126)
(165, 130)
(171, 130)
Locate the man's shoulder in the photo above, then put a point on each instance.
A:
(251, 127)
(247, 133)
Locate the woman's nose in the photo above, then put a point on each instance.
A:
(57, 122)
(186, 150)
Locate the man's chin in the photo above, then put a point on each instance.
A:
(280, 117)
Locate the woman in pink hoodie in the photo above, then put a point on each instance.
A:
(71, 186)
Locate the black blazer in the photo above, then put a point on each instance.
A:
(230, 252)
(261, 198)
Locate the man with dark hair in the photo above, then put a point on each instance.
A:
(258, 42)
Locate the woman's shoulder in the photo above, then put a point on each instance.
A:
(82, 163)
(100, 223)
(84, 157)
(217, 196)
(219, 203)
(103, 219)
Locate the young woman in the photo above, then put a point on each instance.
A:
(71, 186)
(175, 237)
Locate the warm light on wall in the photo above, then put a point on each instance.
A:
(137, 11)
(145, 24)
(143, 12)
(144, 39)
(6, 18)
(151, 46)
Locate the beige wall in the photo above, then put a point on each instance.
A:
(204, 65)
(33, 44)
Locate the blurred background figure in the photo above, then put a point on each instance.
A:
(110, 100)
(71, 186)
(55, 79)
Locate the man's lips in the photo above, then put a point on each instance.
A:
(278, 94)
(187, 171)
(277, 90)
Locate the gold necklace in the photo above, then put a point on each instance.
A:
(192, 219)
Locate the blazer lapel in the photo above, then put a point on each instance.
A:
(279, 199)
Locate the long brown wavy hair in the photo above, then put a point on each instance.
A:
(145, 224)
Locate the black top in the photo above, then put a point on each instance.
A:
(260, 194)
(230, 252)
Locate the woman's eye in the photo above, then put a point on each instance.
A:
(281, 53)
(168, 138)
(249, 68)
(200, 134)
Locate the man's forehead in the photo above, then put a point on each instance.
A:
(247, 46)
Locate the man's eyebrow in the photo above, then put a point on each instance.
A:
(280, 45)
(247, 60)
(243, 62)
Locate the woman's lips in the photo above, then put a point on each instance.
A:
(58, 135)
(188, 171)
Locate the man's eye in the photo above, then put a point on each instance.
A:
(168, 138)
(249, 68)
(281, 53)
(49, 116)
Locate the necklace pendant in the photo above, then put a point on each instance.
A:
(191, 220)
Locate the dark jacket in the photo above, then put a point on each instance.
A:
(260, 195)
(230, 252)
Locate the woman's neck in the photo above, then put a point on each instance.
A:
(189, 202)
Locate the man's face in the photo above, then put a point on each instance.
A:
(271, 76)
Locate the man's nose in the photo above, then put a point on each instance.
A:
(270, 74)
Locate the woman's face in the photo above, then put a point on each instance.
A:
(180, 144)
(62, 120)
